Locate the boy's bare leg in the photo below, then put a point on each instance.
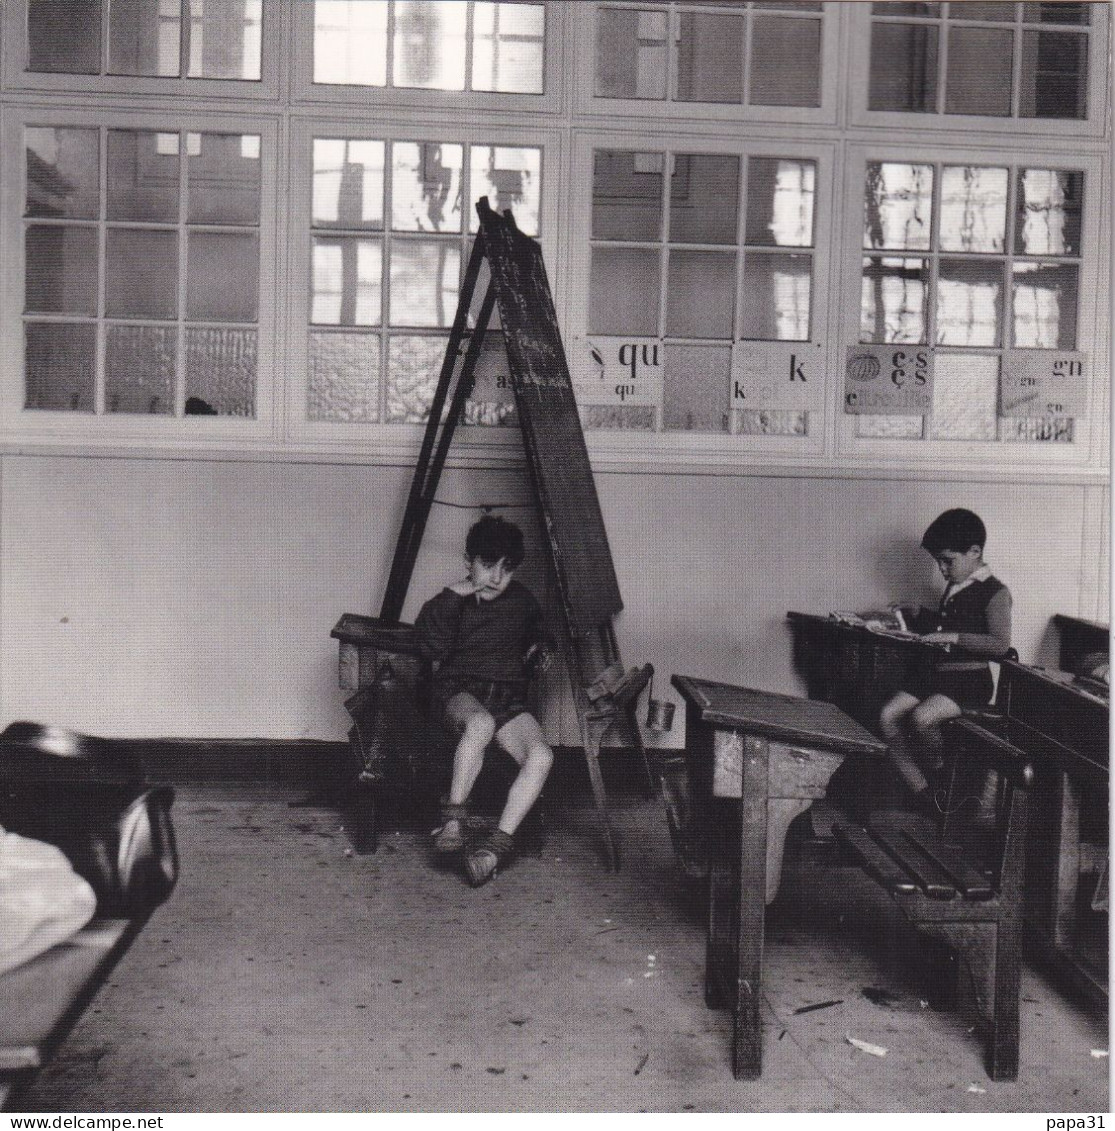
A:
(894, 715)
(477, 729)
(522, 739)
(927, 718)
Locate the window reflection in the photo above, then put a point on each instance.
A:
(1045, 305)
(510, 177)
(973, 208)
(898, 206)
(347, 278)
(780, 198)
(894, 299)
(350, 42)
(1049, 212)
(969, 302)
(426, 187)
(631, 54)
(429, 45)
(508, 43)
(63, 172)
(348, 183)
(776, 296)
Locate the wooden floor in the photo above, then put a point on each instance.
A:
(286, 974)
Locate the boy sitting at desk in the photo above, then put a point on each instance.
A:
(973, 620)
(483, 634)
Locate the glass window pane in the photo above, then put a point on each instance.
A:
(348, 183)
(695, 388)
(898, 203)
(347, 282)
(140, 363)
(63, 172)
(628, 417)
(965, 397)
(350, 42)
(626, 195)
(785, 62)
(1049, 211)
(973, 208)
(780, 200)
(413, 368)
(222, 179)
(60, 366)
(226, 39)
(222, 277)
(1049, 429)
(64, 37)
(430, 44)
(969, 302)
(624, 289)
(701, 294)
(144, 38)
(142, 175)
(704, 198)
(61, 269)
(426, 187)
(425, 282)
(889, 427)
(979, 71)
(901, 8)
(508, 47)
(903, 67)
(991, 10)
(630, 54)
(344, 377)
(894, 300)
(710, 58)
(510, 178)
(776, 296)
(1054, 75)
(1056, 12)
(1045, 304)
(141, 273)
(221, 368)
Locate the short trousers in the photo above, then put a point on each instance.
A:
(968, 688)
(503, 699)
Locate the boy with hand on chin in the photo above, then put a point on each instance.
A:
(973, 620)
(483, 634)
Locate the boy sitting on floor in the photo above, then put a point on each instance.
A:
(482, 634)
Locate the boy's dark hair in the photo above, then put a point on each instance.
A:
(492, 538)
(958, 530)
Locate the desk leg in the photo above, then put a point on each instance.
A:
(747, 1045)
(1066, 878)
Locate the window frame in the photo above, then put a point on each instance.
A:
(965, 455)
(685, 447)
(94, 429)
(321, 96)
(859, 78)
(266, 88)
(382, 437)
(588, 104)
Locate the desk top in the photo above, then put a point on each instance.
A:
(809, 722)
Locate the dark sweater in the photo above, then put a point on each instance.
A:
(980, 614)
(485, 639)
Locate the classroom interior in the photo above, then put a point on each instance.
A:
(265, 209)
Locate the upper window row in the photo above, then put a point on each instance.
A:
(1015, 60)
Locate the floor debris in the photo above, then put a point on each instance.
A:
(867, 1046)
(819, 1005)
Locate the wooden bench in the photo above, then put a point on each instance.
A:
(959, 880)
(41, 1000)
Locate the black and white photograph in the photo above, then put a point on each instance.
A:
(555, 557)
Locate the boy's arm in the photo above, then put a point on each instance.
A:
(437, 624)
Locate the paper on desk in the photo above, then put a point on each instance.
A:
(866, 1046)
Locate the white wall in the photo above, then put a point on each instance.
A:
(153, 598)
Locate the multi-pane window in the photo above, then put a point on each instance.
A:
(142, 254)
(1005, 60)
(707, 253)
(973, 261)
(195, 39)
(431, 44)
(391, 230)
(744, 54)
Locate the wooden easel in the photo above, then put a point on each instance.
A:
(605, 694)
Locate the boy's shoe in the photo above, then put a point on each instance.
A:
(485, 860)
(450, 838)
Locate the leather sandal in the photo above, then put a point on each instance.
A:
(449, 837)
(491, 854)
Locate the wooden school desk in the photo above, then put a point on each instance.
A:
(756, 760)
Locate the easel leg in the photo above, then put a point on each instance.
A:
(592, 731)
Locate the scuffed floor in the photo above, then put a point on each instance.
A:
(286, 974)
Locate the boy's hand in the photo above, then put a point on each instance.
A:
(539, 657)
